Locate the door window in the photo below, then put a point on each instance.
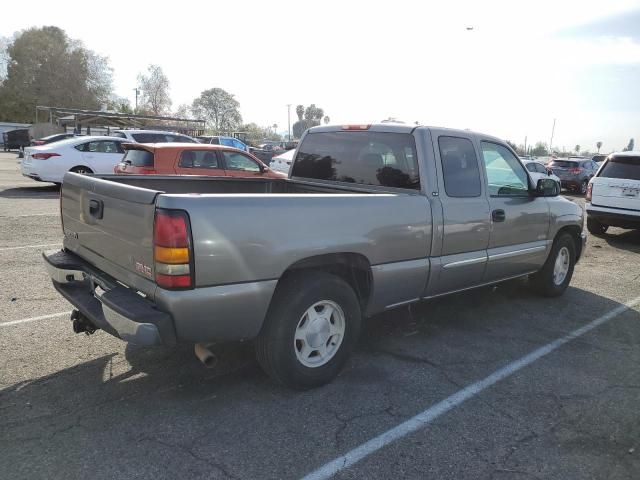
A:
(198, 159)
(237, 161)
(505, 174)
(459, 167)
(100, 146)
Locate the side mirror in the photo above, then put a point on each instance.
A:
(547, 187)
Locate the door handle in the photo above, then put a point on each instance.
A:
(498, 215)
(96, 208)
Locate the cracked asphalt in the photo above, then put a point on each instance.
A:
(76, 406)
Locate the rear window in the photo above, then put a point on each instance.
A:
(564, 164)
(622, 167)
(139, 158)
(366, 158)
(149, 137)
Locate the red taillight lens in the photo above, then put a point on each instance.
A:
(575, 170)
(172, 249)
(589, 192)
(44, 156)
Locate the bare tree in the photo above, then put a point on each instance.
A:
(155, 91)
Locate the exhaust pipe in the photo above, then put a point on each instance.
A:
(206, 356)
(81, 323)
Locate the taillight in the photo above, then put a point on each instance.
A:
(44, 156)
(575, 170)
(589, 192)
(172, 250)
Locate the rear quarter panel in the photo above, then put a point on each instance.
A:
(244, 238)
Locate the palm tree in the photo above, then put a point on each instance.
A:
(577, 148)
(599, 145)
(326, 119)
(300, 112)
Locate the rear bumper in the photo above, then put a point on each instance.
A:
(108, 305)
(613, 216)
(207, 314)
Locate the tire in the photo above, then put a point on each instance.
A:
(286, 358)
(81, 169)
(595, 227)
(547, 280)
(583, 187)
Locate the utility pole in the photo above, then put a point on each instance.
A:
(553, 129)
(289, 119)
(525, 144)
(137, 90)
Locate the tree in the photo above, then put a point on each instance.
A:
(326, 119)
(630, 146)
(255, 134)
(155, 91)
(599, 145)
(307, 118)
(219, 109)
(539, 150)
(119, 104)
(45, 67)
(183, 111)
(577, 148)
(512, 145)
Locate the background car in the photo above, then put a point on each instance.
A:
(537, 171)
(574, 173)
(613, 195)
(153, 136)
(90, 154)
(15, 139)
(599, 158)
(52, 138)
(282, 163)
(189, 159)
(222, 140)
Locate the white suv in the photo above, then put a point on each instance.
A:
(152, 136)
(613, 195)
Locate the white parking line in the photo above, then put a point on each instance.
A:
(426, 417)
(4, 249)
(33, 319)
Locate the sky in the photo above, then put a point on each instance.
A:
(505, 68)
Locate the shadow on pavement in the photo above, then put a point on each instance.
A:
(44, 190)
(623, 239)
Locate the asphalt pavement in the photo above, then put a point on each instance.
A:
(77, 406)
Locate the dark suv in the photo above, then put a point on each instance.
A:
(574, 173)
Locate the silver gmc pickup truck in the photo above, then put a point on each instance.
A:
(371, 217)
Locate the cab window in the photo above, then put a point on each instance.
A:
(459, 167)
(238, 161)
(505, 174)
(198, 159)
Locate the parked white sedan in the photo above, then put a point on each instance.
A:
(282, 163)
(537, 171)
(49, 163)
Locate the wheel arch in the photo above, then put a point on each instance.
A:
(353, 268)
(575, 232)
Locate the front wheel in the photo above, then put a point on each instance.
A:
(554, 277)
(311, 327)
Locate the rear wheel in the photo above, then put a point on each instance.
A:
(81, 169)
(311, 327)
(583, 187)
(595, 227)
(554, 277)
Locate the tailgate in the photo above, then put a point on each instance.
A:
(110, 225)
(616, 193)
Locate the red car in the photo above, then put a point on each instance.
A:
(191, 159)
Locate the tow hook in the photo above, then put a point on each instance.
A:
(81, 323)
(205, 355)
